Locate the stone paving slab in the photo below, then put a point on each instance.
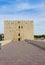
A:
(21, 53)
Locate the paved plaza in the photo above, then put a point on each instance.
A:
(22, 53)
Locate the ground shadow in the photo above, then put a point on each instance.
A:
(37, 45)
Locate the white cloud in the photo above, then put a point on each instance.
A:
(20, 7)
(26, 6)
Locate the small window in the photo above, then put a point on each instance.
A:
(18, 39)
(19, 34)
(19, 27)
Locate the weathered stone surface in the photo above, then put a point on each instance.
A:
(21, 53)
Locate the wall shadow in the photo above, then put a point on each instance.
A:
(37, 45)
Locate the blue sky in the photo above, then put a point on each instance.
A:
(23, 10)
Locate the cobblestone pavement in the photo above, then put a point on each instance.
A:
(21, 53)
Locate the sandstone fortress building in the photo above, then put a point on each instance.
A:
(18, 30)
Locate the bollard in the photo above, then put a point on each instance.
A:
(0, 45)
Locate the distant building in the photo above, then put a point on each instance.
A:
(18, 30)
